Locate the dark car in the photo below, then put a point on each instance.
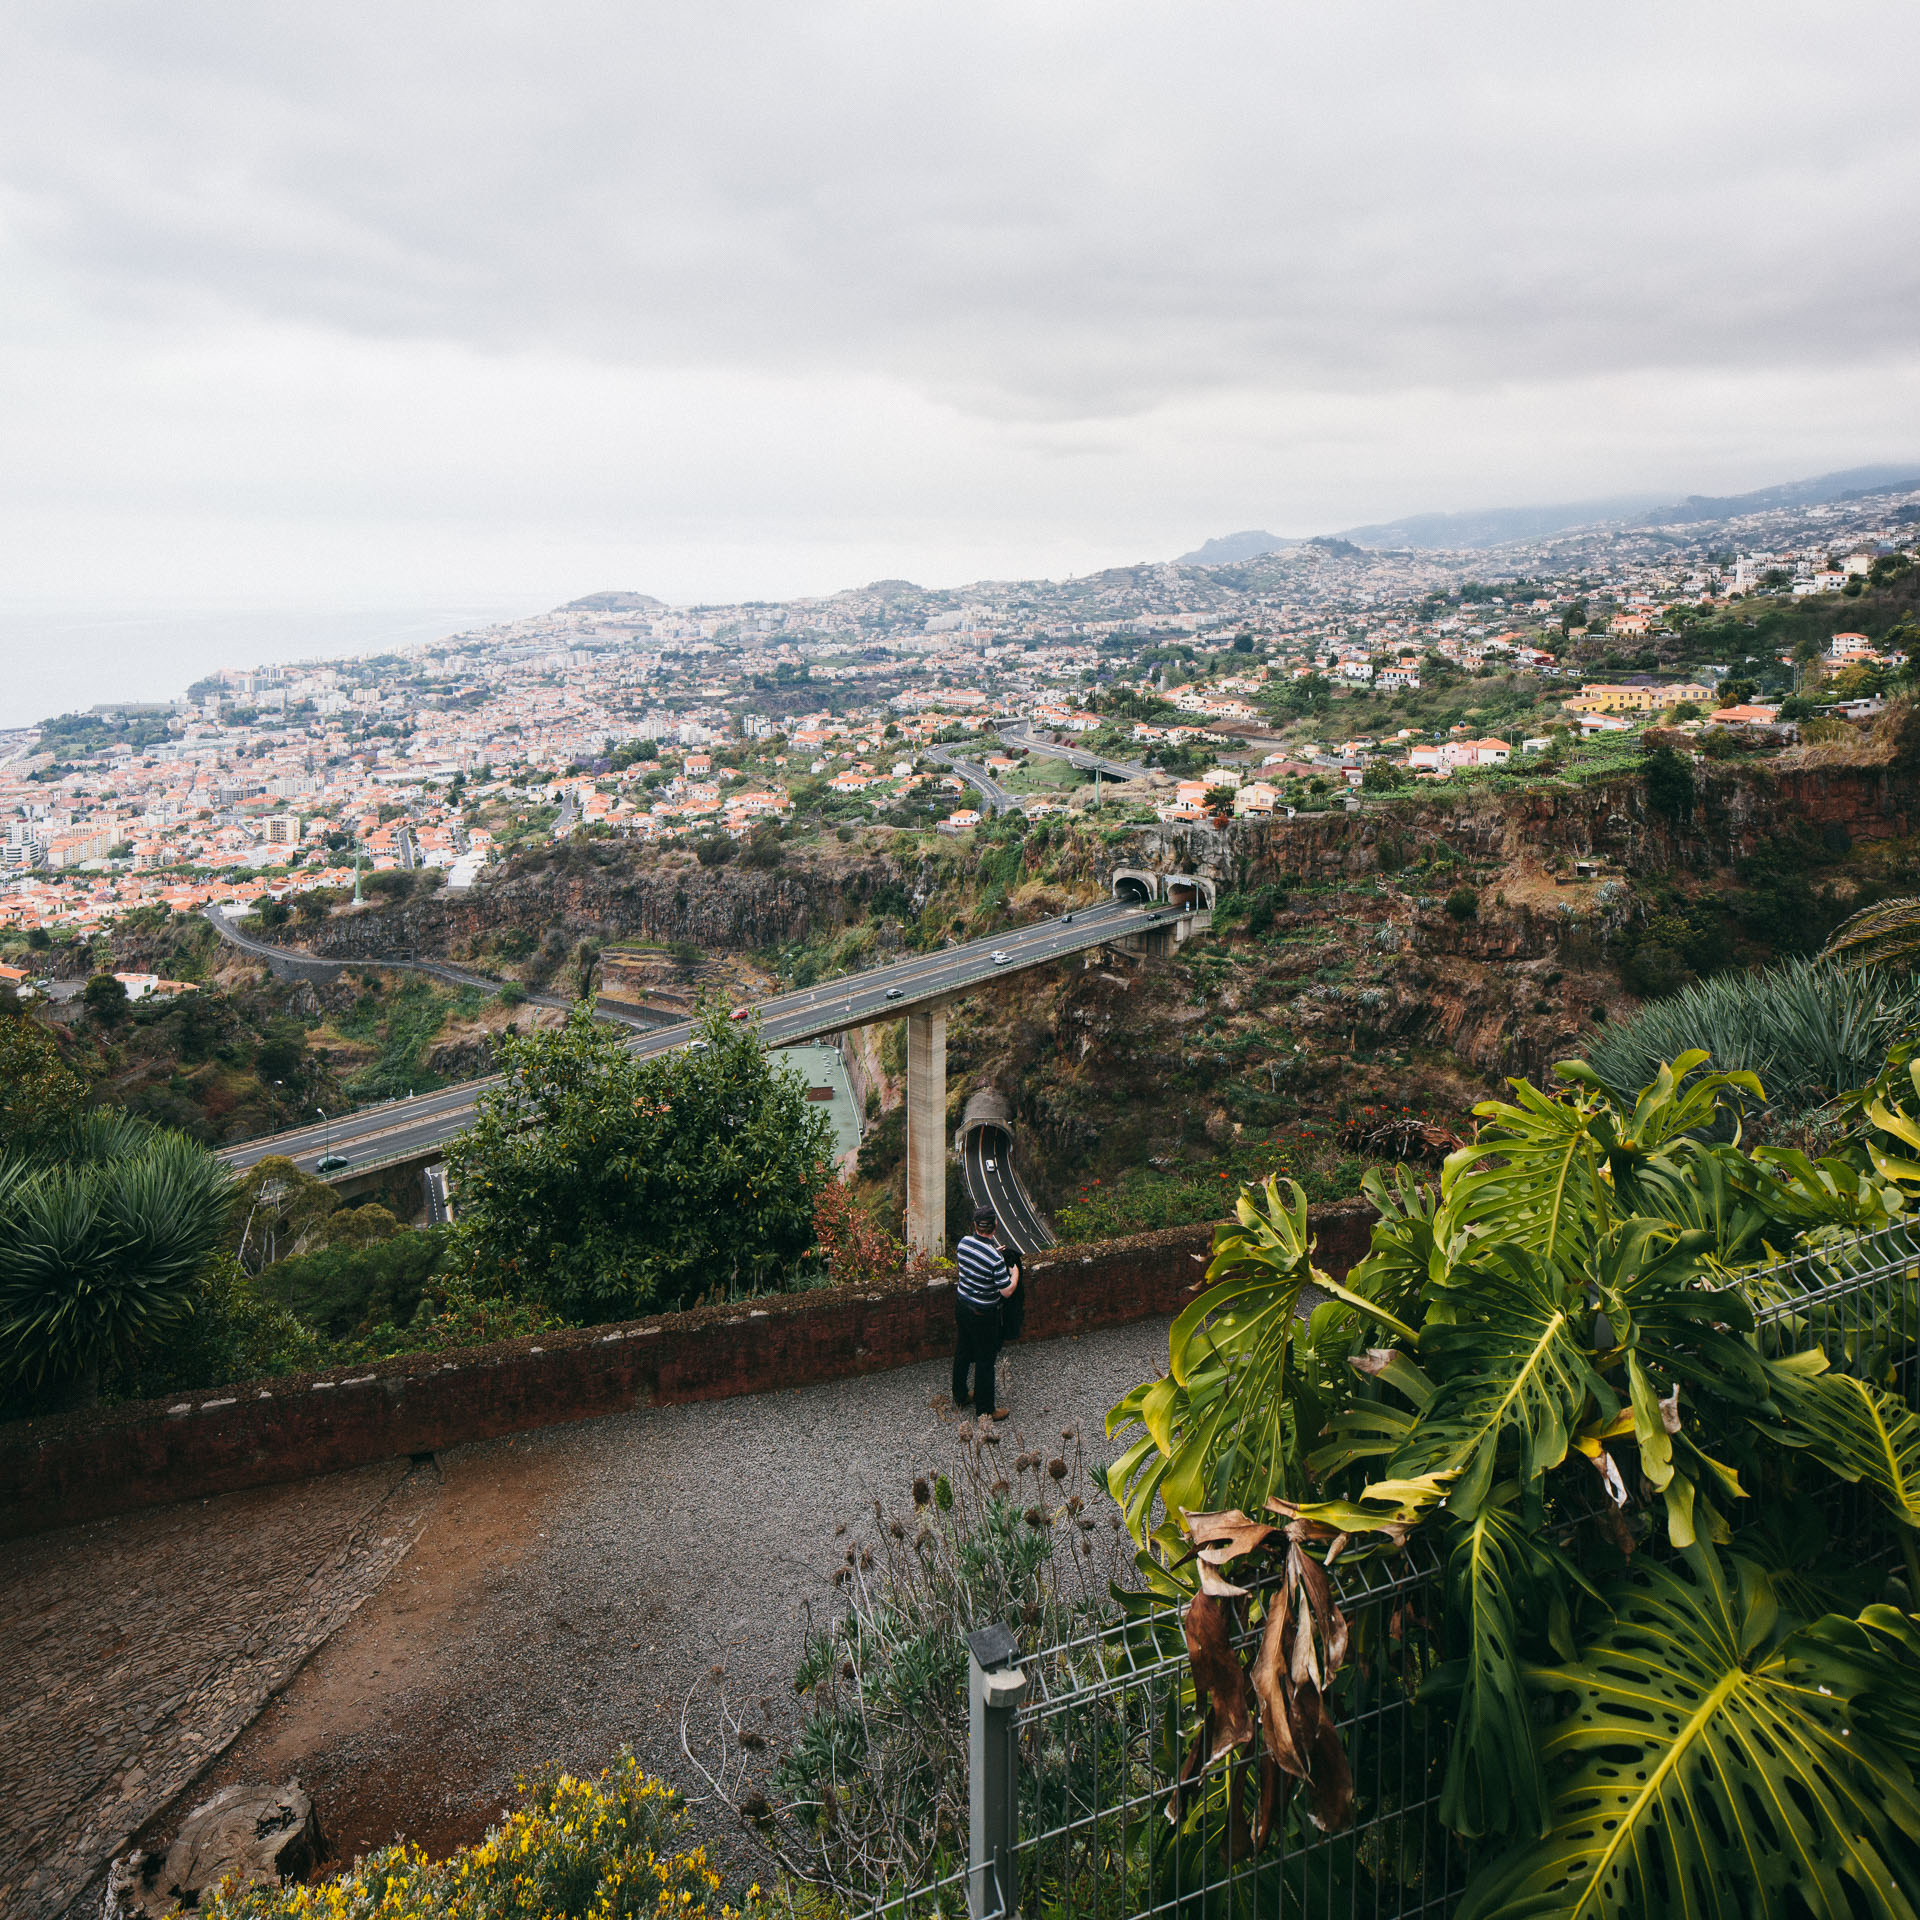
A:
(331, 1163)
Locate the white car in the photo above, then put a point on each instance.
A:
(1001, 956)
(992, 1166)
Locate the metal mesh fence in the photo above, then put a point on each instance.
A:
(1106, 1831)
(1101, 1742)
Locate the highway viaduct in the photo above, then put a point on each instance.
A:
(1148, 913)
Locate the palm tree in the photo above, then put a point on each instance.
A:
(1883, 935)
(100, 1248)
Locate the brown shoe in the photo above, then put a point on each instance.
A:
(1001, 1413)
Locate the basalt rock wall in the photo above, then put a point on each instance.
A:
(1735, 811)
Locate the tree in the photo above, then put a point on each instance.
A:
(101, 1247)
(106, 999)
(1384, 776)
(607, 1185)
(40, 1095)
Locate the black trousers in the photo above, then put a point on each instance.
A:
(976, 1346)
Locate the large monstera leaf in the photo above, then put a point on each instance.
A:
(1512, 1359)
(1535, 1175)
(1711, 1769)
(1221, 1429)
(1858, 1431)
(1503, 1577)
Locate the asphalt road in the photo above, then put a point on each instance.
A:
(992, 1182)
(994, 797)
(1026, 739)
(404, 1127)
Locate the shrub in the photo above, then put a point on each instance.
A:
(1807, 1028)
(101, 1247)
(873, 1792)
(40, 1095)
(106, 999)
(602, 1185)
(574, 1848)
(1463, 903)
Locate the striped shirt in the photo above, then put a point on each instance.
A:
(983, 1271)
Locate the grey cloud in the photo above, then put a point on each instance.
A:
(1069, 212)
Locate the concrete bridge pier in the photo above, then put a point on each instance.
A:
(927, 1131)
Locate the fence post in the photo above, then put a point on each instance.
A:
(995, 1688)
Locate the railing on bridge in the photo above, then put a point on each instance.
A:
(1076, 1750)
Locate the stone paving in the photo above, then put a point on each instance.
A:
(137, 1648)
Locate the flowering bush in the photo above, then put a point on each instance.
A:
(578, 1849)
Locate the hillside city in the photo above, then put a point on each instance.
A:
(1287, 679)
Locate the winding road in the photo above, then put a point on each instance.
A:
(1027, 740)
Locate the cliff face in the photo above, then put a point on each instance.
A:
(1413, 953)
(714, 908)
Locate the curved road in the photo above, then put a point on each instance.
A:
(404, 1128)
(993, 1183)
(994, 798)
(1024, 737)
(303, 965)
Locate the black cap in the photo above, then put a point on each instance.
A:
(984, 1222)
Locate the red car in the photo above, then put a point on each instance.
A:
(739, 1013)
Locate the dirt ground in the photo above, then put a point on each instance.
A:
(570, 1589)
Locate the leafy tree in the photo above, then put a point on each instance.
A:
(606, 1185)
(101, 1245)
(106, 999)
(1383, 776)
(40, 1095)
(1669, 782)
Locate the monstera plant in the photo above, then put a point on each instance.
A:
(1666, 1686)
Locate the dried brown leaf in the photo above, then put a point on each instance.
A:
(1220, 1536)
(1217, 1674)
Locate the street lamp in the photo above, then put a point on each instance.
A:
(326, 1130)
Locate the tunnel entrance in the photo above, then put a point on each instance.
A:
(1138, 888)
(1189, 892)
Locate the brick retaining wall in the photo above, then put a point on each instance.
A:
(75, 1467)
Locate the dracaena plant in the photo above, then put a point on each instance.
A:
(1661, 1694)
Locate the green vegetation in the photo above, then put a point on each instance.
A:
(574, 1849)
(600, 1185)
(872, 1794)
(1806, 1028)
(1568, 1303)
(103, 1234)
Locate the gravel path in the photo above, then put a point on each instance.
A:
(571, 1587)
(136, 1648)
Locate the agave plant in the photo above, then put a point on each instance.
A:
(1657, 1701)
(1808, 1028)
(100, 1246)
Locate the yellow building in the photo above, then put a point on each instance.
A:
(1599, 697)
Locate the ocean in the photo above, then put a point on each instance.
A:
(63, 658)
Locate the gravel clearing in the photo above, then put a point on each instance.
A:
(572, 1587)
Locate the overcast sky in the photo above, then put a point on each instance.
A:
(367, 303)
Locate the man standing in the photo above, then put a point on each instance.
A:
(984, 1281)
